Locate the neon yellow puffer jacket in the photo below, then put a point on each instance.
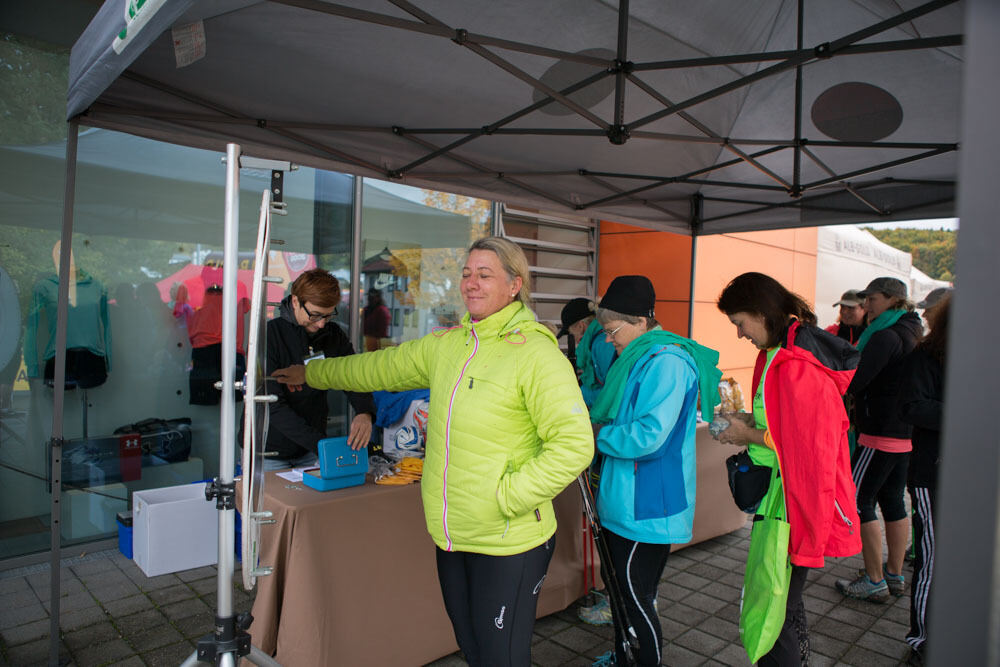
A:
(507, 430)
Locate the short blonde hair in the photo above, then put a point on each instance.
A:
(513, 261)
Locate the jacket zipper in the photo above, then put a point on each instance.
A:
(447, 435)
(843, 517)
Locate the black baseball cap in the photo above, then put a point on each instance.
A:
(885, 285)
(573, 312)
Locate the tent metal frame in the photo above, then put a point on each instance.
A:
(617, 130)
(966, 610)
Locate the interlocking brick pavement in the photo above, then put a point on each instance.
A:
(111, 614)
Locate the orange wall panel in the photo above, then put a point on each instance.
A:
(788, 255)
(662, 257)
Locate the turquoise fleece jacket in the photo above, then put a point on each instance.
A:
(602, 354)
(507, 429)
(647, 487)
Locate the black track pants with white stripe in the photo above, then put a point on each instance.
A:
(922, 500)
(638, 568)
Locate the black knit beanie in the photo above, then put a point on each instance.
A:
(630, 295)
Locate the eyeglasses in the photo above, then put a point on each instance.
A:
(611, 334)
(318, 317)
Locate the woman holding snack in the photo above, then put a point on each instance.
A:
(507, 431)
(798, 425)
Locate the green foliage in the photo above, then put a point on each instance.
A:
(34, 78)
(933, 250)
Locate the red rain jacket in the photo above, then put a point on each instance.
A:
(806, 419)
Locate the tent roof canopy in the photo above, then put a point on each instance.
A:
(703, 117)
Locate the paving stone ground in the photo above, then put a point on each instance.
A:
(112, 614)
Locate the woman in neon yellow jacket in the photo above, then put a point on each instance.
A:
(508, 430)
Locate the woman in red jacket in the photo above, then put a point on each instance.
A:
(802, 371)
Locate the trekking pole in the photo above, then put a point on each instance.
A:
(629, 641)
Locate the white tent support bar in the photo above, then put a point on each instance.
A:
(59, 389)
(227, 403)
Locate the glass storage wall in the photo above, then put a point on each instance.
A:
(144, 322)
(413, 247)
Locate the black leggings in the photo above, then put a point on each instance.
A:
(791, 649)
(491, 601)
(638, 568)
(880, 476)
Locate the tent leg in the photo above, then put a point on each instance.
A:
(59, 388)
(697, 210)
(965, 610)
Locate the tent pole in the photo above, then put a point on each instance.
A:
(797, 154)
(59, 388)
(966, 599)
(357, 248)
(697, 210)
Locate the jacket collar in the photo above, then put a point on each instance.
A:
(508, 319)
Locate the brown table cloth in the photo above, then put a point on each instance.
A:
(355, 580)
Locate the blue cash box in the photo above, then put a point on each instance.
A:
(339, 466)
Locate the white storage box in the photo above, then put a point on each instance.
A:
(174, 529)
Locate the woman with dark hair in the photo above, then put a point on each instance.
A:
(880, 459)
(802, 429)
(921, 403)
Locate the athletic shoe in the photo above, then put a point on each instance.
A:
(598, 614)
(896, 582)
(864, 588)
(605, 660)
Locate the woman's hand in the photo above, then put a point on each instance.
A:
(293, 376)
(361, 431)
(740, 433)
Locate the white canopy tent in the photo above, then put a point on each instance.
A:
(848, 258)
(693, 117)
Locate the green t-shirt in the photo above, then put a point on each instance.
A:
(759, 453)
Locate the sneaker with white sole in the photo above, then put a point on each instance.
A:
(895, 582)
(597, 614)
(864, 588)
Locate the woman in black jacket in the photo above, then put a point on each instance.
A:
(921, 404)
(304, 331)
(880, 459)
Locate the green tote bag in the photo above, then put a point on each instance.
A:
(765, 584)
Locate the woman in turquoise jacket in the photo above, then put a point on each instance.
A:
(645, 421)
(507, 431)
